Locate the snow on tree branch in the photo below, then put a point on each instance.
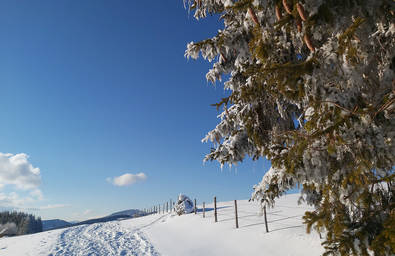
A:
(329, 65)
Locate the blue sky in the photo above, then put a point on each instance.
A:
(94, 89)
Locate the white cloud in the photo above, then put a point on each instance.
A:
(54, 206)
(37, 194)
(86, 212)
(127, 179)
(85, 215)
(18, 171)
(14, 200)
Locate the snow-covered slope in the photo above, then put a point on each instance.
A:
(166, 234)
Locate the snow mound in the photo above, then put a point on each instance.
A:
(184, 205)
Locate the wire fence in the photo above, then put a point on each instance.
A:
(278, 218)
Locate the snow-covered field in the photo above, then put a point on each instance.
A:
(164, 234)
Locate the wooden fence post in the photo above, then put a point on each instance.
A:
(204, 215)
(167, 206)
(195, 206)
(215, 208)
(171, 208)
(264, 213)
(159, 209)
(237, 219)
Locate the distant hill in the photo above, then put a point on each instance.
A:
(104, 219)
(57, 223)
(54, 224)
(130, 212)
(126, 214)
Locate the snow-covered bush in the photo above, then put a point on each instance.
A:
(8, 229)
(184, 205)
(312, 90)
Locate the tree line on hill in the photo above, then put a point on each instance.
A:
(19, 223)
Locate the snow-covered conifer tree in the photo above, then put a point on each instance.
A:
(312, 90)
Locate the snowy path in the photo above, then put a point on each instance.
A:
(102, 239)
